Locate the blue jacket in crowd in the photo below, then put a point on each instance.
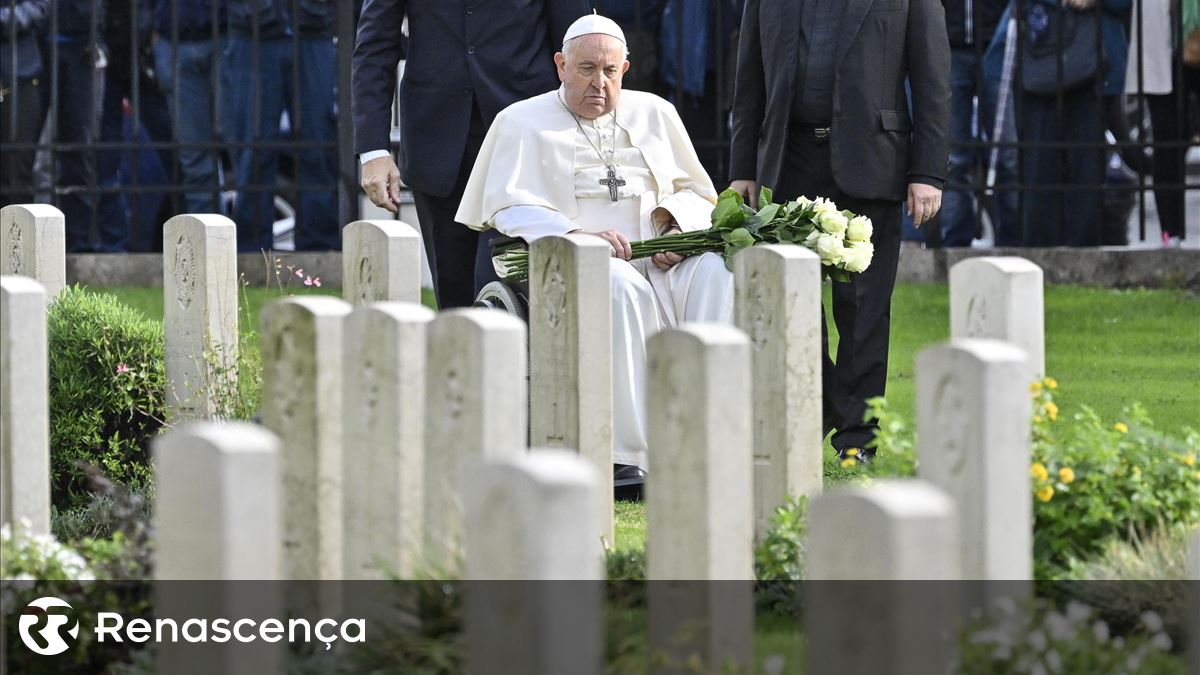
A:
(1116, 48)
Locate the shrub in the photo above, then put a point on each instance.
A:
(1095, 480)
(82, 574)
(107, 385)
(1090, 480)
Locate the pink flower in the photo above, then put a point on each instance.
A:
(308, 281)
(317, 282)
(122, 369)
(299, 273)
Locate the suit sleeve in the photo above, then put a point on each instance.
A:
(929, 74)
(749, 99)
(373, 72)
(562, 14)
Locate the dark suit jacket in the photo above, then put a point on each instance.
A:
(495, 52)
(876, 148)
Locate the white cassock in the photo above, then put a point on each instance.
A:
(538, 174)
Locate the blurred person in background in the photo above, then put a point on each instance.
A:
(1060, 113)
(970, 25)
(185, 63)
(269, 91)
(81, 53)
(138, 215)
(1153, 52)
(24, 82)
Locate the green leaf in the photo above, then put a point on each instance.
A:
(728, 214)
(765, 196)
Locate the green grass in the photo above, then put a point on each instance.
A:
(1106, 348)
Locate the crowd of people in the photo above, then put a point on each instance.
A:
(168, 106)
(207, 92)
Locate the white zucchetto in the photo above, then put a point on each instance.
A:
(594, 23)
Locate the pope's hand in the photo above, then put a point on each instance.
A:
(924, 201)
(748, 189)
(665, 261)
(381, 182)
(618, 242)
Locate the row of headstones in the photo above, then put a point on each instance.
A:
(972, 406)
(778, 307)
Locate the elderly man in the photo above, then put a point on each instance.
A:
(591, 158)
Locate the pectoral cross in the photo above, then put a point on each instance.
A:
(613, 182)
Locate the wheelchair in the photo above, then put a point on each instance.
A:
(507, 296)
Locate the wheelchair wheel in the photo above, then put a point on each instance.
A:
(501, 296)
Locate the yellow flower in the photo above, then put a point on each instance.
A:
(1121, 427)
(1190, 459)
(1050, 383)
(1045, 493)
(849, 462)
(1066, 475)
(1038, 471)
(852, 452)
(1137, 471)
(1035, 388)
(1051, 411)
(1037, 419)
(1198, 475)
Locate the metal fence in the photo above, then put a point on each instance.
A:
(125, 112)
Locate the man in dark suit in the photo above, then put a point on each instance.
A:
(820, 110)
(466, 61)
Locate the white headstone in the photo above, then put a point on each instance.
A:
(200, 314)
(384, 430)
(1000, 298)
(476, 410)
(699, 497)
(381, 261)
(973, 442)
(216, 519)
(24, 404)
(302, 403)
(33, 244)
(532, 518)
(570, 339)
(874, 542)
(779, 308)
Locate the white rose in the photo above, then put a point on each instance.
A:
(803, 202)
(811, 240)
(834, 223)
(831, 249)
(859, 229)
(822, 205)
(858, 256)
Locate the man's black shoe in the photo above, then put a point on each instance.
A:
(628, 481)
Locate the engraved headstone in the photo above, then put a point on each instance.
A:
(200, 314)
(381, 261)
(33, 244)
(570, 338)
(24, 404)
(779, 307)
(1000, 298)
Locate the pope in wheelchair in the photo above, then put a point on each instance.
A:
(591, 158)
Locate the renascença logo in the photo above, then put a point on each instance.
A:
(51, 633)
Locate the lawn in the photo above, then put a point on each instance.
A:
(1107, 349)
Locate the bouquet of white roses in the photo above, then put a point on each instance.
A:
(842, 239)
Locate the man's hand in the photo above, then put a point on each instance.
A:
(618, 242)
(381, 182)
(924, 201)
(748, 189)
(665, 261)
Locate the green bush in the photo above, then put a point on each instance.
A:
(83, 574)
(1091, 480)
(1095, 480)
(107, 385)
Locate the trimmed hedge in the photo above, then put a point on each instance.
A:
(107, 399)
